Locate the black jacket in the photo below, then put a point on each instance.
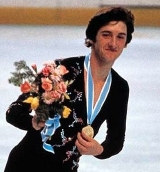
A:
(29, 154)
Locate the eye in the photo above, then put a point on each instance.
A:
(121, 36)
(106, 35)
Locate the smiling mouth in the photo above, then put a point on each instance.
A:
(111, 49)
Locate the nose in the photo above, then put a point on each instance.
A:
(112, 43)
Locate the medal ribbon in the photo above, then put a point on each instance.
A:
(93, 111)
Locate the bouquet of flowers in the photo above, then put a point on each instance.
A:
(46, 89)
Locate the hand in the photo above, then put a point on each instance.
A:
(87, 145)
(39, 125)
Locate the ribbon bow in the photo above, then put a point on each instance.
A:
(50, 126)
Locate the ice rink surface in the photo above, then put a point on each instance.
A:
(139, 64)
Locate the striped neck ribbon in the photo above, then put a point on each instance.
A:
(93, 111)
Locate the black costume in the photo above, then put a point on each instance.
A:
(29, 155)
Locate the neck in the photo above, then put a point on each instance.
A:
(99, 69)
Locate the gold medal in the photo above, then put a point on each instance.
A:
(88, 130)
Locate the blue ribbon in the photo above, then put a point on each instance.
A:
(92, 112)
(50, 126)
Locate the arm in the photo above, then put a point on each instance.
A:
(116, 122)
(116, 126)
(18, 114)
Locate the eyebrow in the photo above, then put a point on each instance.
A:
(121, 33)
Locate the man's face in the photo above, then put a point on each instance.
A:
(110, 41)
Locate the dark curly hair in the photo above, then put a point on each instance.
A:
(106, 15)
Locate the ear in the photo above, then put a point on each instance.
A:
(88, 42)
(91, 42)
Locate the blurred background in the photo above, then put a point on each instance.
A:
(38, 31)
(73, 12)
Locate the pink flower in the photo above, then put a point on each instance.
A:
(46, 71)
(62, 87)
(55, 95)
(46, 84)
(25, 87)
(50, 65)
(50, 96)
(55, 77)
(61, 70)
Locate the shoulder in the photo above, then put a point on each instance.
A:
(73, 64)
(119, 81)
(70, 61)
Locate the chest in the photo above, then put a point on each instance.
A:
(97, 90)
(97, 87)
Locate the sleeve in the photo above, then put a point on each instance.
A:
(18, 114)
(116, 123)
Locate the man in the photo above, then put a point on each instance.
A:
(108, 33)
(95, 93)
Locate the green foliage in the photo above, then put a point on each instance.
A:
(22, 72)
